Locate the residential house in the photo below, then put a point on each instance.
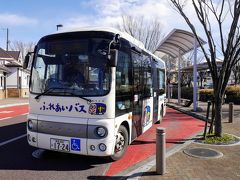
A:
(14, 80)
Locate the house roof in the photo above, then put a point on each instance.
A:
(11, 57)
(5, 56)
(4, 69)
(13, 64)
(14, 54)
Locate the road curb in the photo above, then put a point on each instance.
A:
(141, 168)
(193, 114)
(10, 105)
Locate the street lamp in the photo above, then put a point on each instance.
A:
(58, 26)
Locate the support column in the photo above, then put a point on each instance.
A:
(179, 78)
(195, 77)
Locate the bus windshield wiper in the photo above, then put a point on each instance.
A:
(51, 89)
(86, 99)
(46, 92)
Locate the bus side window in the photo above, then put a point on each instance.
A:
(147, 77)
(161, 77)
(123, 83)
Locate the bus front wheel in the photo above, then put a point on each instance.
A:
(121, 143)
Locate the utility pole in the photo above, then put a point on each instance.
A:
(7, 40)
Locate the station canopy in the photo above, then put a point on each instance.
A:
(178, 42)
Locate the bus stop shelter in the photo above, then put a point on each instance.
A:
(177, 43)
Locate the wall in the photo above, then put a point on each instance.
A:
(12, 78)
(25, 76)
(12, 83)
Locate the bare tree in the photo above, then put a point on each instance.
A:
(147, 31)
(229, 47)
(24, 48)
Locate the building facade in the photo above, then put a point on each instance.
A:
(14, 80)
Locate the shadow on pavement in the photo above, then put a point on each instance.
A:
(149, 174)
(11, 131)
(17, 155)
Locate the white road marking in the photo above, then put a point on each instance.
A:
(10, 105)
(14, 116)
(23, 114)
(5, 112)
(12, 140)
(5, 118)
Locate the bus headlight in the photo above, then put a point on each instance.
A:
(101, 131)
(30, 124)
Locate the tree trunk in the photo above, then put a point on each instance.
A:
(218, 115)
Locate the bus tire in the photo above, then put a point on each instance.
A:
(121, 143)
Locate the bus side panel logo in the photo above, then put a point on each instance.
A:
(147, 115)
(75, 144)
(97, 108)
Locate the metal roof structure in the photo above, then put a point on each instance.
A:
(200, 67)
(178, 42)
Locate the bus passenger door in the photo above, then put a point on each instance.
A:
(147, 93)
(137, 96)
(155, 92)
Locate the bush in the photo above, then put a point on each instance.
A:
(186, 93)
(205, 94)
(233, 94)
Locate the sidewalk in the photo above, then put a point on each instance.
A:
(13, 102)
(181, 166)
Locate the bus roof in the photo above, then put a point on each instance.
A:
(105, 29)
(124, 35)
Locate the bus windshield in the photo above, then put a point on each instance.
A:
(71, 66)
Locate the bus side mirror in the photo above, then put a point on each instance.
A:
(112, 58)
(26, 61)
(112, 54)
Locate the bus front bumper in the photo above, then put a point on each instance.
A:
(77, 145)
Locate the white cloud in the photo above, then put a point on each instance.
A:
(108, 13)
(77, 21)
(16, 20)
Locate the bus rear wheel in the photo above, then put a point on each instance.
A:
(121, 143)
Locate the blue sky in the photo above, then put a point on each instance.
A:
(29, 20)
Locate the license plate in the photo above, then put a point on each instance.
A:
(59, 144)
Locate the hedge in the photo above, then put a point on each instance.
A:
(205, 94)
(232, 94)
(186, 93)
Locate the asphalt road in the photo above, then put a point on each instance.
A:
(17, 161)
(20, 161)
